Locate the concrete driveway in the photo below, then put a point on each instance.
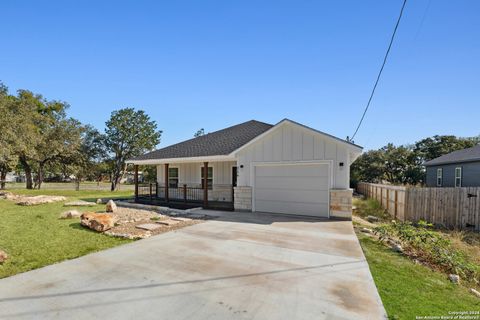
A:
(238, 266)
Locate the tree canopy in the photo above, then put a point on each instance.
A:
(129, 133)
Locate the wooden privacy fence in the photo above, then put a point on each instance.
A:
(449, 207)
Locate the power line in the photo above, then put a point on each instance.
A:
(380, 72)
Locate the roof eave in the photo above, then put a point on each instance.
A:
(216, 158)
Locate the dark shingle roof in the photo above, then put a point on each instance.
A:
(222, 142)
(465, 155)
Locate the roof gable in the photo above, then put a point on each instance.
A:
(350, 145)
(464, 155)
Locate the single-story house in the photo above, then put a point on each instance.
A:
(456, 169)
(255, 166)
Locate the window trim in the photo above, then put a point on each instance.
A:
(439, 177)
(177, 178)
(210, 185)
(458, 178)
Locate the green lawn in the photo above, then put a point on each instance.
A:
(34, 237)
(409, 290)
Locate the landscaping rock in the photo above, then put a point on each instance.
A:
(397, 248)
(3, 256)
(148, 226)
(181, 219)
(70, 214)
(169, 222)
(79, 203)
(97, 221)
(475, 292)
(36, 200)
(111, 206)
(366, 230)
(455, 278)
(99, 201)
(372, 219)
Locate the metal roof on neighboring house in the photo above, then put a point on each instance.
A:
(464, 155)
(221, 142)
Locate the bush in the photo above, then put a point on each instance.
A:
(420, 241)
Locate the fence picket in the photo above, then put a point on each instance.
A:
(449, 207)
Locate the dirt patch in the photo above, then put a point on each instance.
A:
(31, 200)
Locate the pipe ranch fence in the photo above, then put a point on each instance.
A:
(449, 207)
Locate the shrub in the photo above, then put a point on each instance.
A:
(420, 241)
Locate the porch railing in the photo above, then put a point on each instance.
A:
(182, 193)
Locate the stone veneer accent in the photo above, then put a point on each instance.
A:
(242, 198)
(341, 203)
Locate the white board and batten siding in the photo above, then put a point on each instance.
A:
(293, 143)
(293, 168)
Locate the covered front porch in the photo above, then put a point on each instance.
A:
(189, 184)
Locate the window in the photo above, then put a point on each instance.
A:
(173, 177)
(439, 177)
(209, 177)
(458, 177)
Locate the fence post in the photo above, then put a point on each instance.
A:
(185, 193)
(388, 200)
(396, 204)
(150, 192)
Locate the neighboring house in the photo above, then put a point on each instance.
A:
(13, 177)
(254, 166)
(456, 169)
(129, 177)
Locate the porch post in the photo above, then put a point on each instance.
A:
(205, 184)
(135, 180)
(166, 182)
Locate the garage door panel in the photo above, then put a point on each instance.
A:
(316, 183)
(293, 189)
(291, 195)
(292, 171)
(318, 210)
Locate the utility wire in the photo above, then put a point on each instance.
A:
(380, 72)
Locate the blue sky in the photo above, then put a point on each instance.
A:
(211, 64)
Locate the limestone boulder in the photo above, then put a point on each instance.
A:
(455, 278)
(3, 256)
(111, 206)
(70, 214)
(98, 221)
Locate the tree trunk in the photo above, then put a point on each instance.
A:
(40, 176)
(28, 172)
(3, 176)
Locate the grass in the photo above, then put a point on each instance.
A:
(409, 290)
(369, 207)
(34, 237)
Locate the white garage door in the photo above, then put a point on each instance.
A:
(292, 188)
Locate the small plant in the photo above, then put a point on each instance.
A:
(422, 242)
(155, 218)
(370, 207)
